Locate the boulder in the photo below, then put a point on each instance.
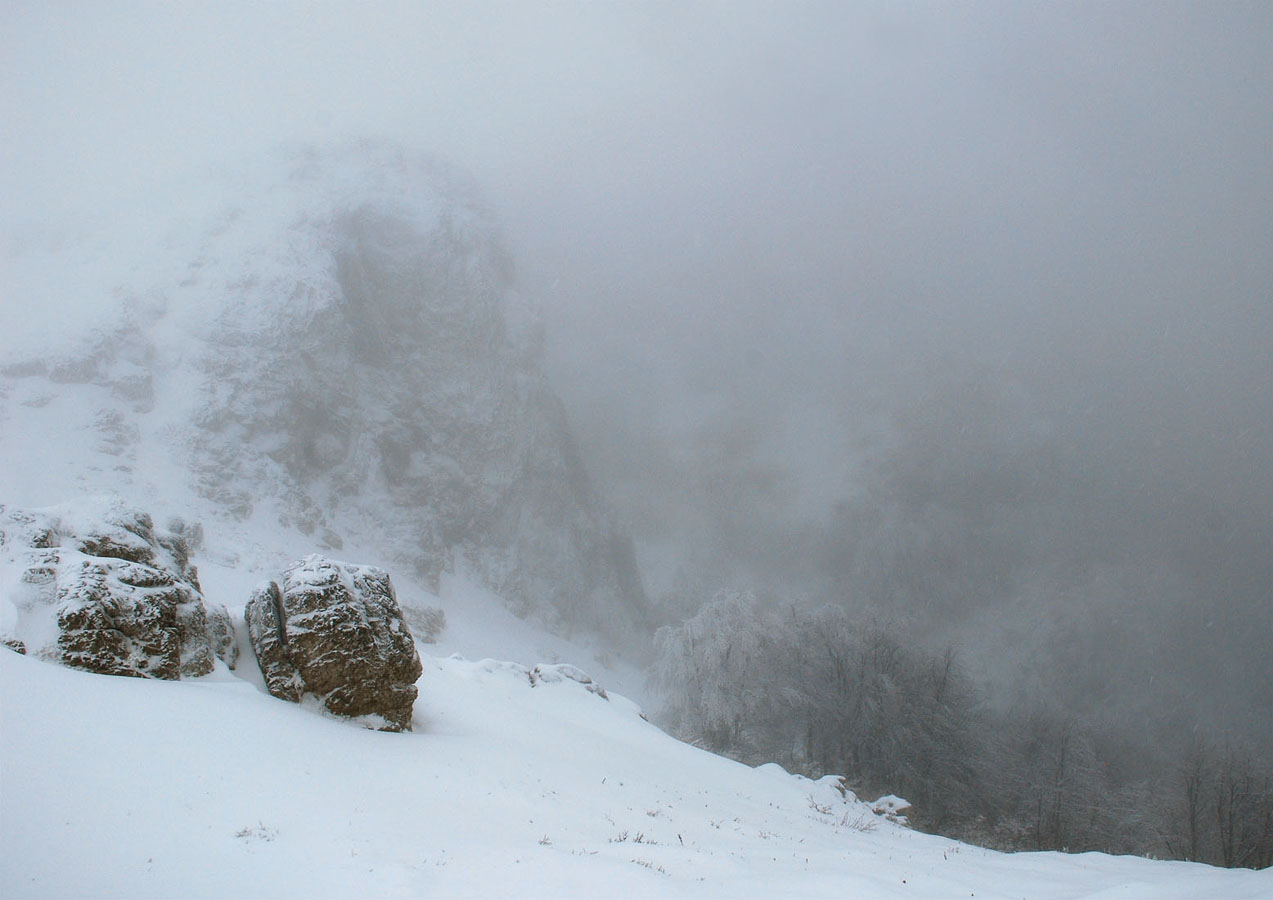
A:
(335, 630)
(266, 618)
(101, 590)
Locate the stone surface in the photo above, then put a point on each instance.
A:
(101, 590)
(335, 630)
(220, 630)
(265, 620)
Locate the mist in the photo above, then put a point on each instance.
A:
(963, 313)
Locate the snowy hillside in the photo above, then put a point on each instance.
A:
(326, 354)
(117, 787)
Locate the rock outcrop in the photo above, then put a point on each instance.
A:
(386, 380)
(334, 344)
(335, 630)
(102, 590)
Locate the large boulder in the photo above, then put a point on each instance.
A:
(102, 590)
(335, 630)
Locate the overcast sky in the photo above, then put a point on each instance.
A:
(763, 232)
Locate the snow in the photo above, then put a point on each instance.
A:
(119, 787)
(512, 784)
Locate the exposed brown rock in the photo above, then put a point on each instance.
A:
(335, 630)
(265, 617)
(125, 600)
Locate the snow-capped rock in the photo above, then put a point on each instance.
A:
(102, 590)
(335, 630)
(553, 673)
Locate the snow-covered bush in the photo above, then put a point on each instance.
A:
(427, 622)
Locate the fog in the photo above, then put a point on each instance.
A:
(960, 311)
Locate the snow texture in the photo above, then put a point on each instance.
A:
(502, 790)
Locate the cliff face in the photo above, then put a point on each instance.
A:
(341, 347)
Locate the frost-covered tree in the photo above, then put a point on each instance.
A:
(711, 669)
(824, 691)
(821, 692)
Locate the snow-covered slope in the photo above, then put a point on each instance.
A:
(324, 353)
(116, 787)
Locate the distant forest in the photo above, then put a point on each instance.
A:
(821, 691)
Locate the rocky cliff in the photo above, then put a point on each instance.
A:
(338, 345)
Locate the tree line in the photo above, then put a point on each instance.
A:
(826, 691)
